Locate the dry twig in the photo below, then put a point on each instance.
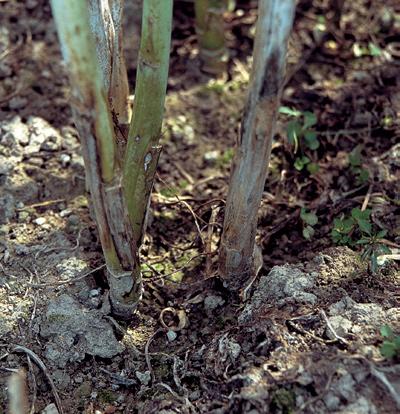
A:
(42, 366)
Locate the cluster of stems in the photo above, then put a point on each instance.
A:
(120, 153)
(121, 149)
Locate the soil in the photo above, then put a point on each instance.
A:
(304, 336)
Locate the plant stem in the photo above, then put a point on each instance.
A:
(143, 148)
(96, 130)
(106, 25)
(211, 34)
(249, 168)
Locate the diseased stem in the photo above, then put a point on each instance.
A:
(211, 34)
(95, 125)
(106, 25)
(249, 168)
(143, 148)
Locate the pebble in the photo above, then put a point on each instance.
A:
(65, 160)
(37, 161)
(171, 335)
(52, 144)
(212, 302)
(73, 220)
(17, 103)
(143, 377)
(331, 401)
(40, 221)
(211, 157)
(50, 409)
(65, 213)
(188, 133)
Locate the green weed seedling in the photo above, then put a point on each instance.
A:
(358, 230)
(301, 134)
(390, 347)
(309, 220)
(355, 161)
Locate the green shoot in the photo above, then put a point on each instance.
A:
(390, 347)
(359, 230)
(302, 135)
(309, 220)
(355, 161)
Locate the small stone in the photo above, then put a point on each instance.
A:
(41, 132)
(211, 157)
(78, 379)
(194, 395)
(23, 216)
(17, 103)
(65, 160)
(331, 401)
(188, 133)
(345, 386)
(65, 213)
(37, 161)
(212, 302)
(40, 221)
(50, 409)
(94, 293)
(340, 325)
(73, 220)
(171, 335)
(52, 143)
(143, 377)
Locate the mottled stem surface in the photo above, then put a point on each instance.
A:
(119, 177)
(249, 168)
(211, 35)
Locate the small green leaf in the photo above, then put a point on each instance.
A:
(359, 214)
(363, 176)
(308, 217)
(310, 119)
(396, 342)
(312, 168)
(363, 241)
(300, 162)
(374, 262)
(365, 226)
(388, 349)
(386, 331)
(374, 50)
(311, 140)
(285, 110)
(293, 131)
(381, 234)
(308, 232)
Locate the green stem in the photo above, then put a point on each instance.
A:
(211, 34)
(90, 104)
(151, 83)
